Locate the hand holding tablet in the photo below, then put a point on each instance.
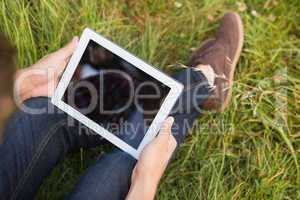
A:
(105, 87)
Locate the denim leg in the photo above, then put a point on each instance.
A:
(188, 107)
(110, 178)
(185, 112)
(33, 145)
(134, 132)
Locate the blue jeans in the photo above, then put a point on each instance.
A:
(35, 143)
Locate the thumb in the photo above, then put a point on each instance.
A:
(167, 125)
(165, 130)
(69, 49)
(165, 136)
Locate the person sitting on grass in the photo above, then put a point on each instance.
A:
(33, 144)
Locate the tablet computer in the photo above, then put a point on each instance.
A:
(105, 88)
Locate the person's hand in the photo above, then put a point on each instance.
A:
(152, 163)
(155, 156)
(42, 78)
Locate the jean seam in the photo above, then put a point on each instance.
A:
(33, 162)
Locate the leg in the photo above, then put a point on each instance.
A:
(33, 146)
(110, 178)
(188, 107)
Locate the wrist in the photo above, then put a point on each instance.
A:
(147, 182)
(148, 179)
(142, 188)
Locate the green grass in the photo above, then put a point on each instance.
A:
(252, 151)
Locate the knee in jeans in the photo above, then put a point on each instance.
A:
(33, 116)
(38, 108)
(119, 165)
(37, 103)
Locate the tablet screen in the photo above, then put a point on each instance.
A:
(115, 94)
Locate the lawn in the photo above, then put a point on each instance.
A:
(251, 151)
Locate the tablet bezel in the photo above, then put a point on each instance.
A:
(175, 90)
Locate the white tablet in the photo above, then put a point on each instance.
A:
(112, 92)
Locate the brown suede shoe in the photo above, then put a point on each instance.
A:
(222, 54)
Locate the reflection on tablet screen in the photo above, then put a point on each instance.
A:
(115, 94)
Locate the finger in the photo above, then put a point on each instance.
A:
(61, 67)
(165, 131)
(165, 136)
(172, 144)
(69, 49)
(166, 127)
